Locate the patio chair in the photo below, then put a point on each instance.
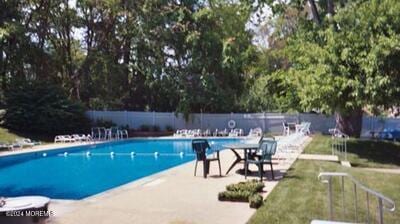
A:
(286, 128)
(200, 147)
(266, 151)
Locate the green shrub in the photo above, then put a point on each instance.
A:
(144, 127)
(124, 127)
(43, 108)
(252, 186)
(169, 128)
(242, 196)
(155, 128)
(244, 192)
(255, 201)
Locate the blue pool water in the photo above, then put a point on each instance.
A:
(77, 175)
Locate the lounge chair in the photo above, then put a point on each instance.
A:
(80, 138)
(200, 147)
(6, 146)
(26, 142)
(256, 132)
(206, 133)
(63, 138)
(223, 132)
(264, 156)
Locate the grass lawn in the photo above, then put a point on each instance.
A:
(361, 153)
(9, 137)
(300, 197)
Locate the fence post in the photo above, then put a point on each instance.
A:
(201, 120)
(265, 122)
(126, 118)
(154, 118)
(173, 120)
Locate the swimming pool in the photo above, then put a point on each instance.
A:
(78, 174)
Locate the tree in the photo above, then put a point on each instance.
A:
(352, 64)
(43, 108)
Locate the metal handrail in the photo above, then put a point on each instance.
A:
(384, 203)
(339, 142)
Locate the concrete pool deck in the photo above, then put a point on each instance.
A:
(173, 196)
(44, 147)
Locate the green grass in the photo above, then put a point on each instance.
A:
(300, 197)
(361, 153)
(8, 136)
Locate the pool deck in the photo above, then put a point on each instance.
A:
(44, 147)
(173, 196)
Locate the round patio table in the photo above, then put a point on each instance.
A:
(235, 148)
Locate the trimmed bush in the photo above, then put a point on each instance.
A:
(144, 127)
(244, 192)
(255, 201)
(155, 128)
(252, 186)
(43, 108)
(242, 196)
(169, 128)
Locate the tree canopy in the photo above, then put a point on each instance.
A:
(185, 56)
(330, 56)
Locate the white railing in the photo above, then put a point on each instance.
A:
(384, 203)
(339, 143)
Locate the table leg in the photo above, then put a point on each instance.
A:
(245, 159)
(237, 160)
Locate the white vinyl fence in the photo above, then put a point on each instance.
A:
(269, 122)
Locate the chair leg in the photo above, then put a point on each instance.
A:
(260, 168)
(195, 168)
(246, 167)
(219, 164)
(272, 172)
(206, 165)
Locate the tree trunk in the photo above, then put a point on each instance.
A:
(331, 8)
(350, 123)
(314, 12)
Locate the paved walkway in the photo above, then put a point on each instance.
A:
(172, 196)
(382, 170)
(319, 157)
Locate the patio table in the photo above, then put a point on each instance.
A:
(235, 148)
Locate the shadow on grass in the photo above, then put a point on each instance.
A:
(382, 152)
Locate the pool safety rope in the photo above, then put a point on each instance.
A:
(132, 154)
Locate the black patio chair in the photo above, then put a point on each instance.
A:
(200, 147)
(264, 156)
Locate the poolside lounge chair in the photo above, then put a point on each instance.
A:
(26, 142)
(80, 138)
(264, 156)
(200, 147)
(206, 133)
(236, 132)
(256, 132)
(123, 134)
(223, 132)
(303, 128)
(64, 138)
(6, 146)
